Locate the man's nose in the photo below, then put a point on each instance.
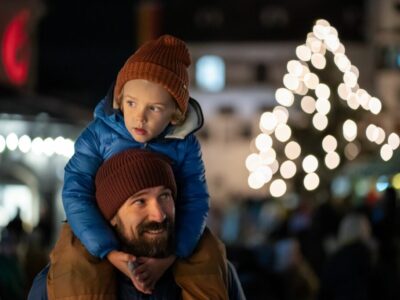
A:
(157, 212)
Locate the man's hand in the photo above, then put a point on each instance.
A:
(120, 261)
(149, 272)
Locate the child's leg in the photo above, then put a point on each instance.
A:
(75, 273)
(203, 275)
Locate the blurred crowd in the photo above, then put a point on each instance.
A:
(334, 250)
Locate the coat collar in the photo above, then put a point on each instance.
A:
(193, 122)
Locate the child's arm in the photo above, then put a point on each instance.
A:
(193, 203)
(148, 271)
(78, 196)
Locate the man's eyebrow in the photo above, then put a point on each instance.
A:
(138, 194)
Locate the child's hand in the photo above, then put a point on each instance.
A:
(120, 261)
(149, 272)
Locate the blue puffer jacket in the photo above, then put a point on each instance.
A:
(105, 136)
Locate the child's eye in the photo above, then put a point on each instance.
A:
(130, 103)
(155, 108)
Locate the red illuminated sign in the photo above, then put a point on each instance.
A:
(15, 49)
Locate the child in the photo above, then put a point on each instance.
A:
(150, 108)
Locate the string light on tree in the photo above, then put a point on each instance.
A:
(302, 84)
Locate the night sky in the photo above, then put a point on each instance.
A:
(82, 44)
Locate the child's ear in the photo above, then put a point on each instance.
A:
(114, 221)
(177, 117)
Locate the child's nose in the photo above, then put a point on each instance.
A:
(140, 115)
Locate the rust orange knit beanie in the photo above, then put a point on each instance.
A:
(127, 173)
(164, 61)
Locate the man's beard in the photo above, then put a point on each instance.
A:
(140, 245)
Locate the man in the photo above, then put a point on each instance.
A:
(135, 191)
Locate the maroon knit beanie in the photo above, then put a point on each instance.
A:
(127, 173)
(164, 61)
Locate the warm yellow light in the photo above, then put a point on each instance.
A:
(396, 181)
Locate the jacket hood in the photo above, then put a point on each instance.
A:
(193, 122)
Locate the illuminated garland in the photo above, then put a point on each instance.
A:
(264, 166)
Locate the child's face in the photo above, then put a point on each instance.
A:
(148, 108)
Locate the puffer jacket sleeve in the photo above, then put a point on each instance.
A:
(78, 196)
(193, 203)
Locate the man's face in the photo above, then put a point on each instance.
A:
(148, 108)
(145, 223)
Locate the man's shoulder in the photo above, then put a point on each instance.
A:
(39, 286)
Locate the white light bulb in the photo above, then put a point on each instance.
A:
(310, 164)
(329, 143)
(48, 146)
(311, 181)
(291, 82)
(393, 140)
(323, 106)
(386, 152)
(311, 80)
(350, 79)
(255, 180)
(267, 157)
(381, 136)
(24, 144)
(343, 91)
(308, 104)
(12, 141)
(319, 121)
(268, 121)
(295, 68)
(281, 113)
(277, 188)
(37, 145)
(322, 91)
(2, 143)
(284, 97)
(332, 160)
(352, 101)
(349, 130)
(292, 150)
(318, 61)
(288, 169)
(283, 132)
(372, 132)
(375, 105)
(303, 52)
(263, 142)
(252, 162)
